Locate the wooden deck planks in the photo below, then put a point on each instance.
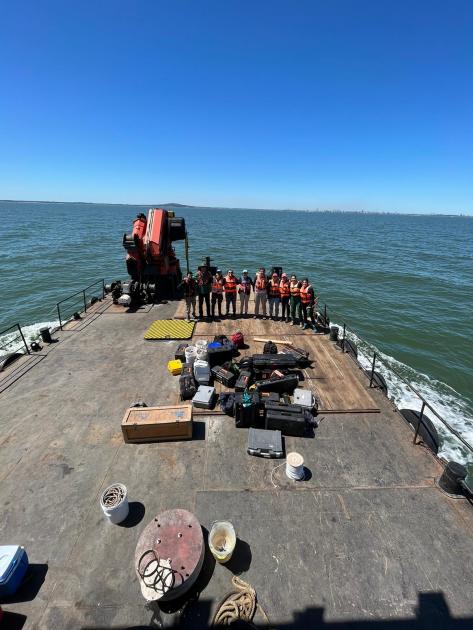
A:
(340, 387)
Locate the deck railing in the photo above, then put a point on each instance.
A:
(79, 301)
(15, 338)
(377, 359)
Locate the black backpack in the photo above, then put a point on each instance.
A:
(270, 348)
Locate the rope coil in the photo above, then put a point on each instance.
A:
(295, 466)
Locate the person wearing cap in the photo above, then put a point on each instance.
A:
(188, 288)
(245, 285)
(285, 295)
(295, 289)
(218, 284)
(307, 303)
(261, 292)
(203, 281)
(230, 292)
(274, 296)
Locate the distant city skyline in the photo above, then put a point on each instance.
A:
(345, 106)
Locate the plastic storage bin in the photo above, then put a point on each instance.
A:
(13, 565)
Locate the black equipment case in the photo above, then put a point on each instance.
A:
(264, 443)
(187, 387)
(223, 376)
(274, 361)
(220, 354)
(285, 384)
(301, 356)
(243, 380)
(289, 419)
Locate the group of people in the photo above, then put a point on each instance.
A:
(294, 298)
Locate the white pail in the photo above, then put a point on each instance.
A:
(114, 503)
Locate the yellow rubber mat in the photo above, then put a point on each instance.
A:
(170, 329)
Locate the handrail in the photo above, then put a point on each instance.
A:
(20, 334)
(425, 403)
(81, 291)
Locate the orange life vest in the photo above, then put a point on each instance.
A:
(274, 288)
(295, 289)
(230, 284)
(260, 283)
(306, 297)
(284, 289)
(217, 285)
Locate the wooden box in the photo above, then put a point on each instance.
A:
(157, 424)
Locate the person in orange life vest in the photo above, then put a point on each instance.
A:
(285, 295)
(188, 288)
(295, 288)
(230, 292)
(203, 281)
(244, 290)
(218, 284)
(274, 296)
(307, 303)
(261, 293)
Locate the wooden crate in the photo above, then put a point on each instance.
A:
(156, 424)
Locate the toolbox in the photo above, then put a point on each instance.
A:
(175, 367)
(274, 361)
(13, 566)
(202, 372)
(156, 424)
(301, 356)
(286, 384)
(243, 380)
(205, 397)
(223, 376)
(181, 352)
(289, 419)
(264, 443)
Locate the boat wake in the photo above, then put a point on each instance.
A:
(12, 341)
(444, 399)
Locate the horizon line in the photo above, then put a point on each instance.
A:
(183, 205)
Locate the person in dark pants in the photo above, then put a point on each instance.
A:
(218, 284)
(307, 303)
(285, 293)
(188, 289)
(230, 292)
(204, 283)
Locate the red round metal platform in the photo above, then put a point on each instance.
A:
(169, 555)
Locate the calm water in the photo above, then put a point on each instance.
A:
(404, 283)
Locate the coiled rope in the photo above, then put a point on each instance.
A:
(295, 466)
(240, 605)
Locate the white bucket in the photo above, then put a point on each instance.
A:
(202, 343)
(222, 541)
(114, 503)
(190, 354)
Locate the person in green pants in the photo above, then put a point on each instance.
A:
(295, 287)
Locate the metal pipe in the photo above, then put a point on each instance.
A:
(59, 315)
(419, 423)
(22, 336)
(372, 369)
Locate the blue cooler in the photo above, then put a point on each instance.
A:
(13, 565)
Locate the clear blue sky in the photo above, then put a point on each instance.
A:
(333, 104)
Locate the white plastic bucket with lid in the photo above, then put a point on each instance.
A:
(222, 541)
(202, 343)
(114, 503)
(201, 354)
(190, 354)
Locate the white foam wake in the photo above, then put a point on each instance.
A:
(12, 341)
(444, 399)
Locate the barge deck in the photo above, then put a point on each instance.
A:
(367, 541)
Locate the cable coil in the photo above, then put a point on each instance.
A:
(295, 466)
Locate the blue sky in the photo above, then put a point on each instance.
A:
(333, 104)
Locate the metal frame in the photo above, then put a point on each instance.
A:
(82, 291)
(425, 403)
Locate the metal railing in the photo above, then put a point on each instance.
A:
(424, 403)
(18, 337)
(77, 302)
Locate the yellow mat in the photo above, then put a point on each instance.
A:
(170, 329)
